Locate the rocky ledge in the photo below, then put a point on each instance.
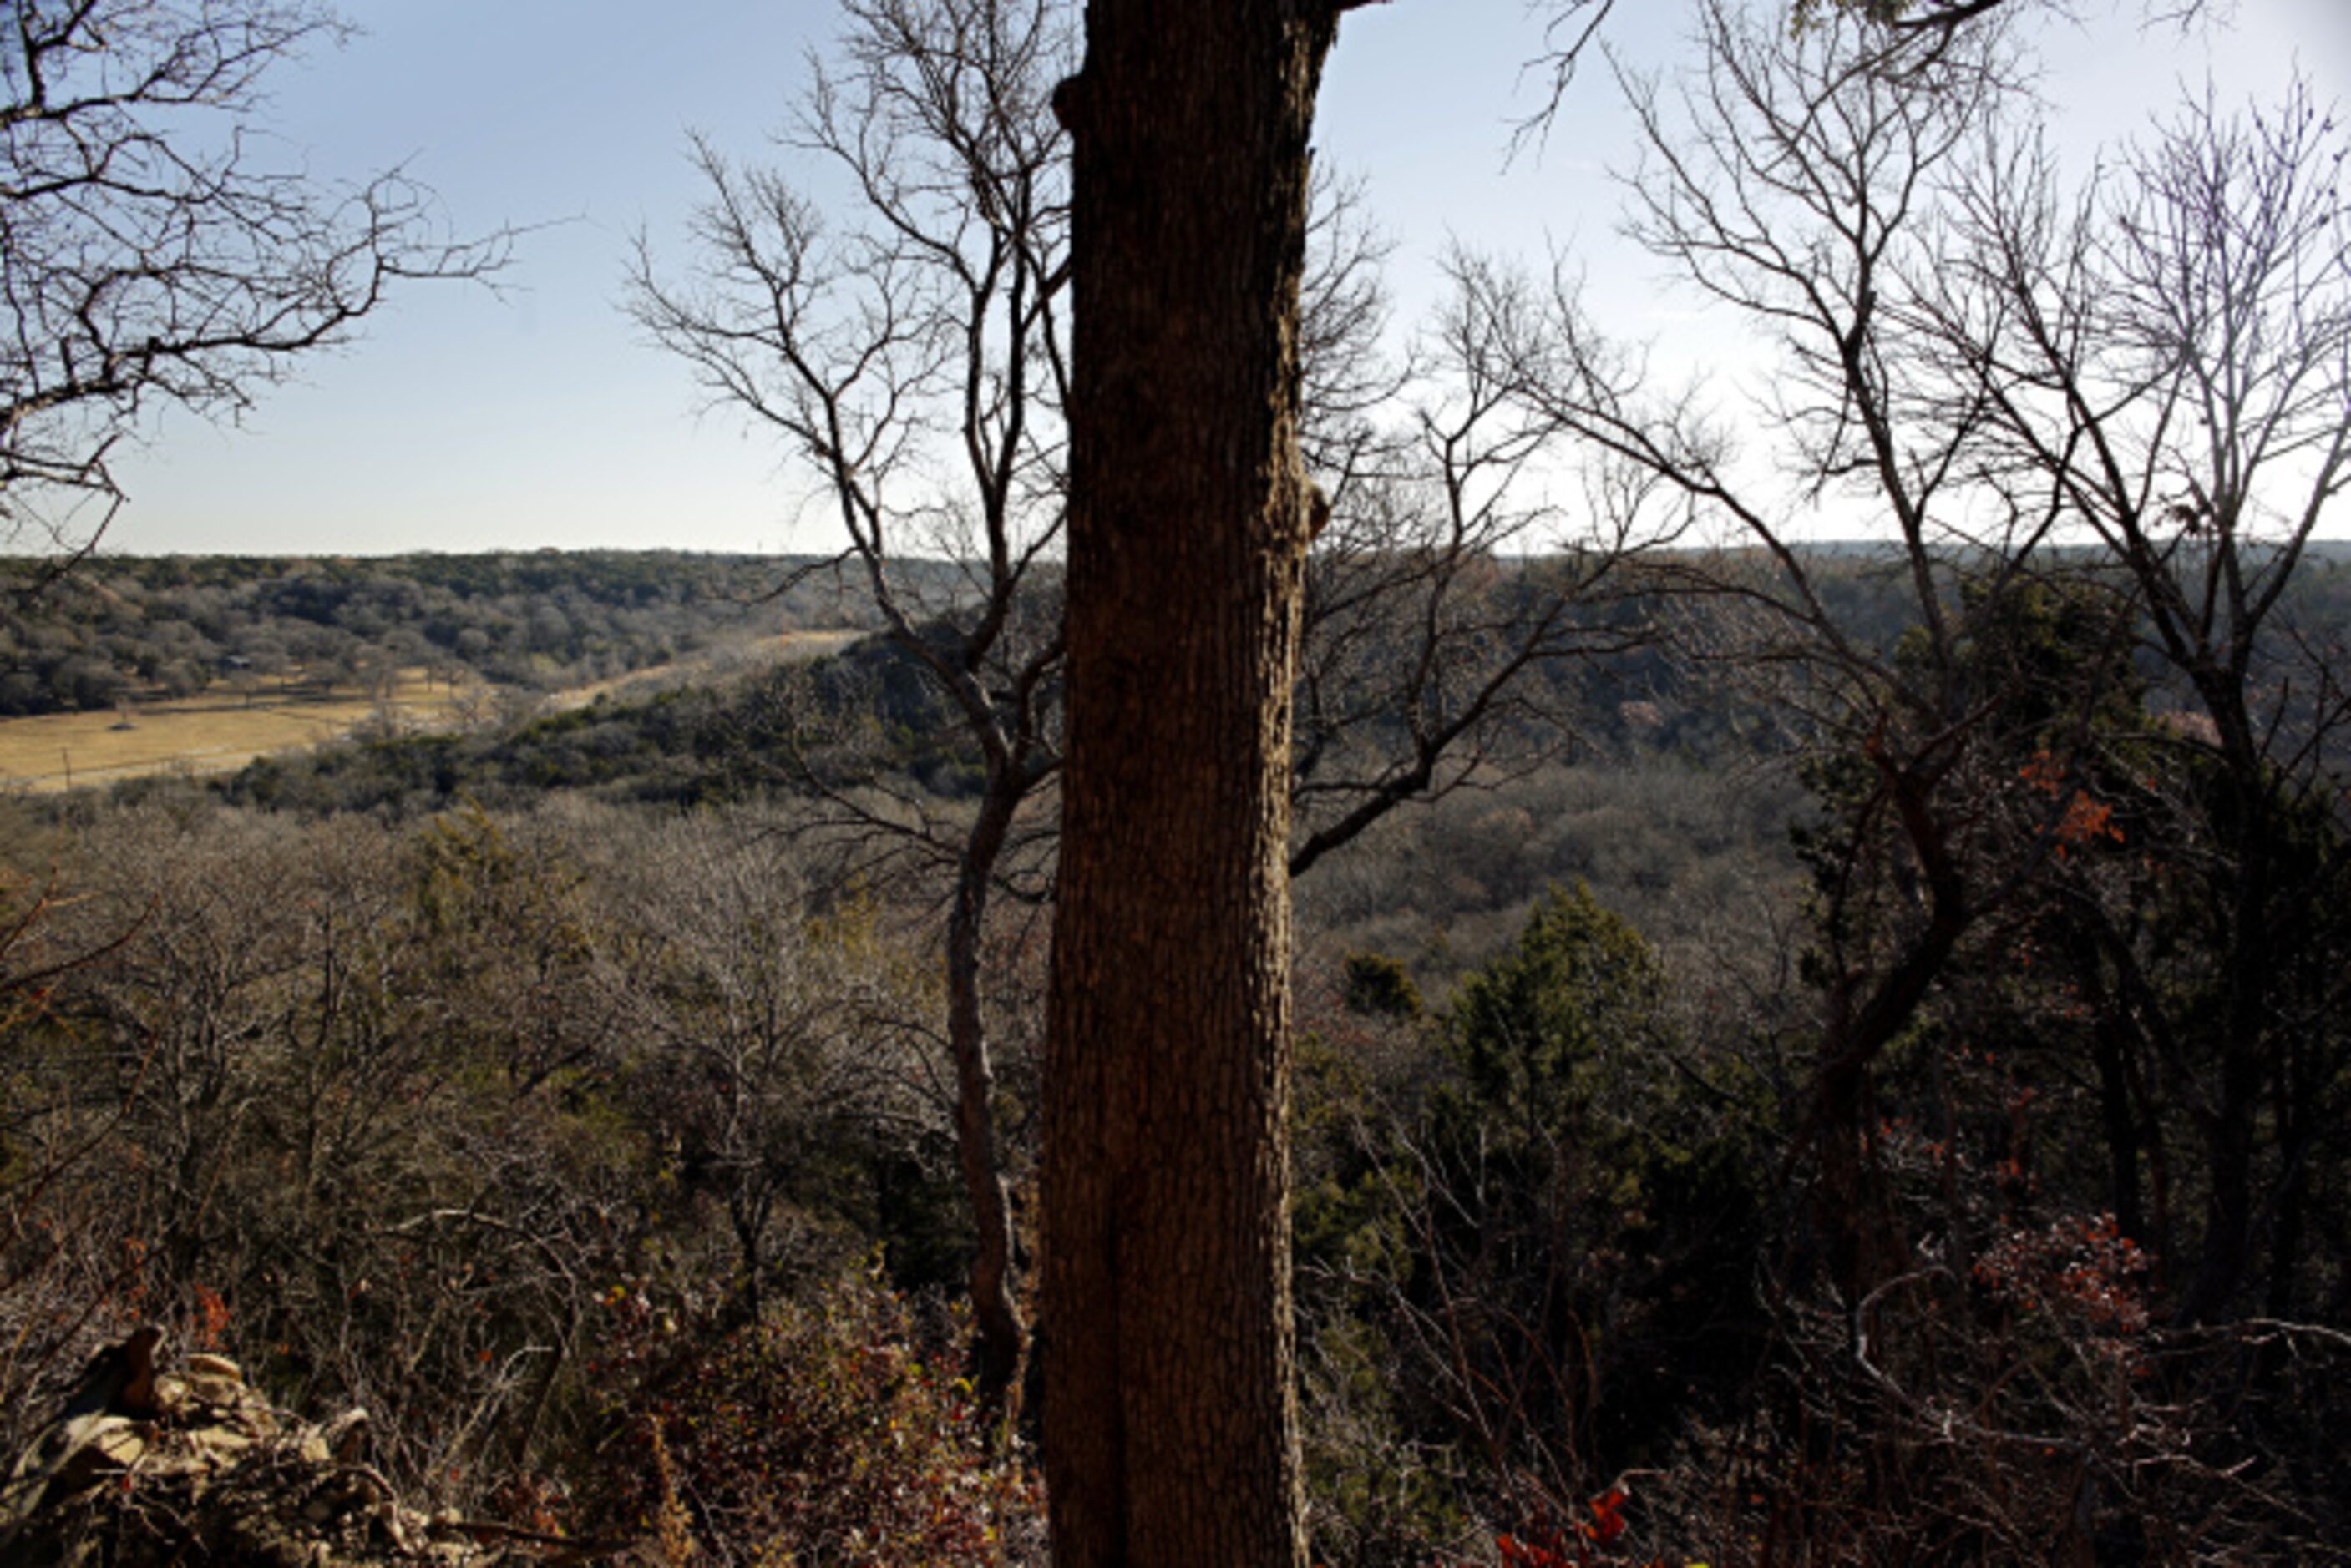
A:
(143, 1467)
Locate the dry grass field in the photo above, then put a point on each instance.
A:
(221, 731)
(215, 733)
(739, 655)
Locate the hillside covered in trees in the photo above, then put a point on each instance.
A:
(531, 1085)
(129, 629)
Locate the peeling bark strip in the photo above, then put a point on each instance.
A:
(1170, 1417)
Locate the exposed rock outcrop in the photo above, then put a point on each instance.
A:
(143, 1466)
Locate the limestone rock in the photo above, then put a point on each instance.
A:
(143, 1467)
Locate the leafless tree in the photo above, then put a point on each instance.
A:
(1793, 178)
(275, 1148)
(1448, 591)
(773, 1039)
(1573, 30)
(150, 255)
(2165, 360)
(913, 364)
(2126, 407)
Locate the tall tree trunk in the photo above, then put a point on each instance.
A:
(2109, 1043)
(1867, 1015)
(996, 1314)
(1170, 1417)
(2230, 1131)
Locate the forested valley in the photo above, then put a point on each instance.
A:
(1777, 1051)
(544, 1085)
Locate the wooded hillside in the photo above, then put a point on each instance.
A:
(536, 1087)
(129, 629)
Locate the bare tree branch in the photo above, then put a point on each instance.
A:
(148, 256)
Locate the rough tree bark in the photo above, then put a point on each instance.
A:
(1170, 1417)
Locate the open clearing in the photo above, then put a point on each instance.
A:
(215, 733)
(220, 732)
(730, 658)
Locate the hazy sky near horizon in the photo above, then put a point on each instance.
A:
(464, 418)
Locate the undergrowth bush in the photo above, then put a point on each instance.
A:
(836, 1431)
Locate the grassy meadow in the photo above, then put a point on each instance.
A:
(221, 730)
(213, 731)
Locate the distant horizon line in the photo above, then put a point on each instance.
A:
(2328, 543)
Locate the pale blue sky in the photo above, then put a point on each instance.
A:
(462, 420)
